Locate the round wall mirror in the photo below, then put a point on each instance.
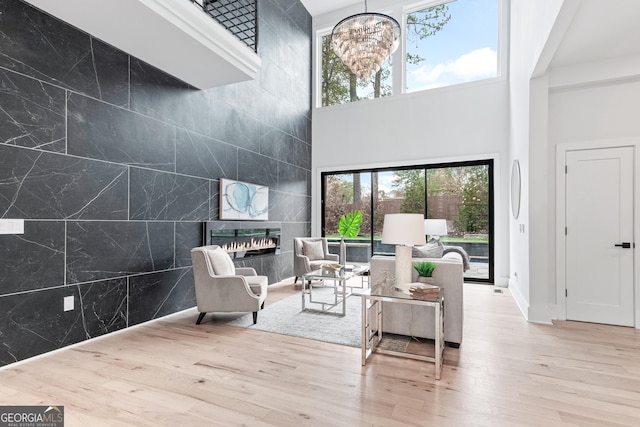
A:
(515, 189)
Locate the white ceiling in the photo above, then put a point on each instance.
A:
(319, 7)
(600, 30)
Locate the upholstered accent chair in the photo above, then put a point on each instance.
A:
(309, 253)
(221, 287)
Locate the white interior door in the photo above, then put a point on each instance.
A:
(599, 221)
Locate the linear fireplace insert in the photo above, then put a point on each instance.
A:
(243, 239)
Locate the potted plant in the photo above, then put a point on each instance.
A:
(425, 271)
(349, 227)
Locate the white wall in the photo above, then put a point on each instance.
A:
(590, 110)
(595, 101)
(531, 27)
(464, 122)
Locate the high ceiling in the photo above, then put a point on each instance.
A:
(599, 30)
(318, 7)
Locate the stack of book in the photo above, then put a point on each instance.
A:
(424, 291)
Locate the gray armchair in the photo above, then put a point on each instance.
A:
(221, 287)
(309, 253)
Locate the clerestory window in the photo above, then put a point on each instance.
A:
(443, 44)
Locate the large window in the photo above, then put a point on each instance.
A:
(340, 86)
(445, 43)
(460, 193)
(451, 43)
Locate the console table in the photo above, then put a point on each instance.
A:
(372, 332)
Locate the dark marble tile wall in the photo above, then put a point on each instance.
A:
(115, 165)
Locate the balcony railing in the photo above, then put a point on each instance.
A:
(238, 16)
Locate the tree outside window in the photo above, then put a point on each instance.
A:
(447, 44)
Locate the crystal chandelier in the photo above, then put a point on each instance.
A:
(365, 40)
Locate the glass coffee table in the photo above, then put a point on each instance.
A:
(372, 328)
(335, 280)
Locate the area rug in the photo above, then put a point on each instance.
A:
(286, 317)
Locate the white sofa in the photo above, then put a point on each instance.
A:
(418, 321)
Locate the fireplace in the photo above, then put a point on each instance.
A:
(244, 240)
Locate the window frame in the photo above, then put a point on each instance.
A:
(488, 161)
(398, 61)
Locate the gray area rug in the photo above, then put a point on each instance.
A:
(286, 317)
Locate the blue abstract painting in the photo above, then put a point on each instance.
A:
(241, 200)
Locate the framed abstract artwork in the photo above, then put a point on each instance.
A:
(243, 201)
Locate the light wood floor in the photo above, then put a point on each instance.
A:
(506, 373)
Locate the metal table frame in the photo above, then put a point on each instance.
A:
(339, 280)
(373, 335)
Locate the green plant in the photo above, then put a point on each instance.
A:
(425, 268)
(349, 225)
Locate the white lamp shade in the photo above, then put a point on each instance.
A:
(403, 229)
(435, 227)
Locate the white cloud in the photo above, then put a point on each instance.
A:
(475, 65)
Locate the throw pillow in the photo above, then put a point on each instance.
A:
(313, 249)
(433, 249)
(221, 262)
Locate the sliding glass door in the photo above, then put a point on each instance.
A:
(460, 193)
(463, 195)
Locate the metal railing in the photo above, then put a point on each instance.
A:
(240, 17)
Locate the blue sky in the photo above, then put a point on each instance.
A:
(464, 50)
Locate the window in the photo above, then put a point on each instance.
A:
(341, 86)
(461, 193)
(446, 43)
(451, 43)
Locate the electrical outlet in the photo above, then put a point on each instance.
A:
(11, 226)
(68, 303)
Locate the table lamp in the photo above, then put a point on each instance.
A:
(404, 231)
(435, 228)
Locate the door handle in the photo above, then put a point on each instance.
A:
(624, 245)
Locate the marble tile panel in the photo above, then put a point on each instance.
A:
(257, 169)
(280, 205)
(111, 68)
(300, 17)
(99, 250)
(32, 113)
(205, 157)
(275, 80)
(299, 125)
(189, 235)
(292, 230)
(35, 323)
(159, 294)
(289, 207)
(38, 45)
(104, 306)
(302, 208)
(157, 94)
(301, 154)
(268, 47)
(227, 93)
(242, 131)
(214, 199)
(37, 184)
(33, 260)
(167, 196)
(292, 179)
(277, 144)
(102, 131)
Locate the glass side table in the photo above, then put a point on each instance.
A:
(372, 322)
(337, 280)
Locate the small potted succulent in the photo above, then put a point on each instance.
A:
(425, 271)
